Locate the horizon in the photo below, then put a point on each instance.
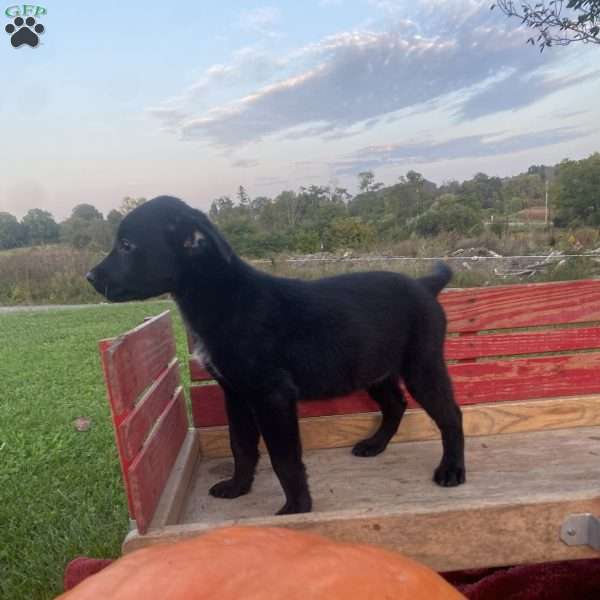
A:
(194, 101)
(118, 206)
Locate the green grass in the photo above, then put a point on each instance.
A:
(60, 490)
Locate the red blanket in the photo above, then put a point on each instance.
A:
(569, 580)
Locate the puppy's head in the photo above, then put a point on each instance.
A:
(156, 245)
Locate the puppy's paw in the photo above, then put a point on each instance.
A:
(449, 475)
(229, 488)
(368, 447)
(302, 505)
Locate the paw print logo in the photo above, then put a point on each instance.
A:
(24, 31)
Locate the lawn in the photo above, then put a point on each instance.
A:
(60, 489)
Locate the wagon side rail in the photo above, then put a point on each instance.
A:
(521, 357)
(150, 419)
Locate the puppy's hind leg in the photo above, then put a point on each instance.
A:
(428, 381)
(393, 404)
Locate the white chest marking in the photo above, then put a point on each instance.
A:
(202, 357)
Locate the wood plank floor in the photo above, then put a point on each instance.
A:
(501, 469)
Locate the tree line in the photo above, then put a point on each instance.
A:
(325, 218)
(85, 228)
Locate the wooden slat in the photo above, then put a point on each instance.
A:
(491, 381)
(208, 405)
(134, 360)
(521, 379)
(137, 425)
(173, 496)
(479, 420)
(514, 306)
(151, 468)
(490, 535)
(198, 372)
(532, 342)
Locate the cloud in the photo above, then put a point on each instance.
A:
(271, 181)
(567, 114)
(171, 118)
(243, 163)
(471, 146)
(249, 65)
(350, 82)
(515, 91)
(260, 20)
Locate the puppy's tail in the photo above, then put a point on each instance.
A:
(438, 280)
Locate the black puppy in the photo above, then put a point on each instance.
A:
(271, 341)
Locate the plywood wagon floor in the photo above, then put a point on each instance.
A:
(501, 470)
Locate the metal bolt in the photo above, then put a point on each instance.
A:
(571, 532)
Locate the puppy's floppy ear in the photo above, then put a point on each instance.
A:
(194, 234)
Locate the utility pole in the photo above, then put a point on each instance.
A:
(546, 216)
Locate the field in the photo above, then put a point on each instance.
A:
(56, 274)
(60, 489)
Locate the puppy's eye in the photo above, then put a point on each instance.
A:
(126, 245)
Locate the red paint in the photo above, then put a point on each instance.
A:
(208, 405)
(135, 359)
(208, 408)
(513, 306)
(198, 373)
(150, 470)
(527, 378)
(491, 381)
(136, 427)
(117, 419)
(144, 358)
(470, 311)
(514, 344)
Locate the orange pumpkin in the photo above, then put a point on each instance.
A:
(244, 563)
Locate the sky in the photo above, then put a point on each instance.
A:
(194, 99)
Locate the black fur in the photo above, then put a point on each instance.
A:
(271, 341)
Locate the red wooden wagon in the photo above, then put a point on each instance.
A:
(525, 361)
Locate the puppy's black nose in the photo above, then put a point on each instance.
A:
(90, 276)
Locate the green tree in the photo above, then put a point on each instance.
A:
(576, 192)
(555, 26)
(305, 241)
(349, 232)
(321, 208)
(524, 190)
(449, 214)
(114, 218)
(87, 228)
(294, 207)
(366, 182)
(40, 227)
(243, 197)
(221, 210)
(369, 206)
(86, 212)
(341, 195)
(483, 192)
(259, 203)
(11, 231)
(128, 204)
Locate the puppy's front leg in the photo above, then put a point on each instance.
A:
(243, 438)
(278, 422)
